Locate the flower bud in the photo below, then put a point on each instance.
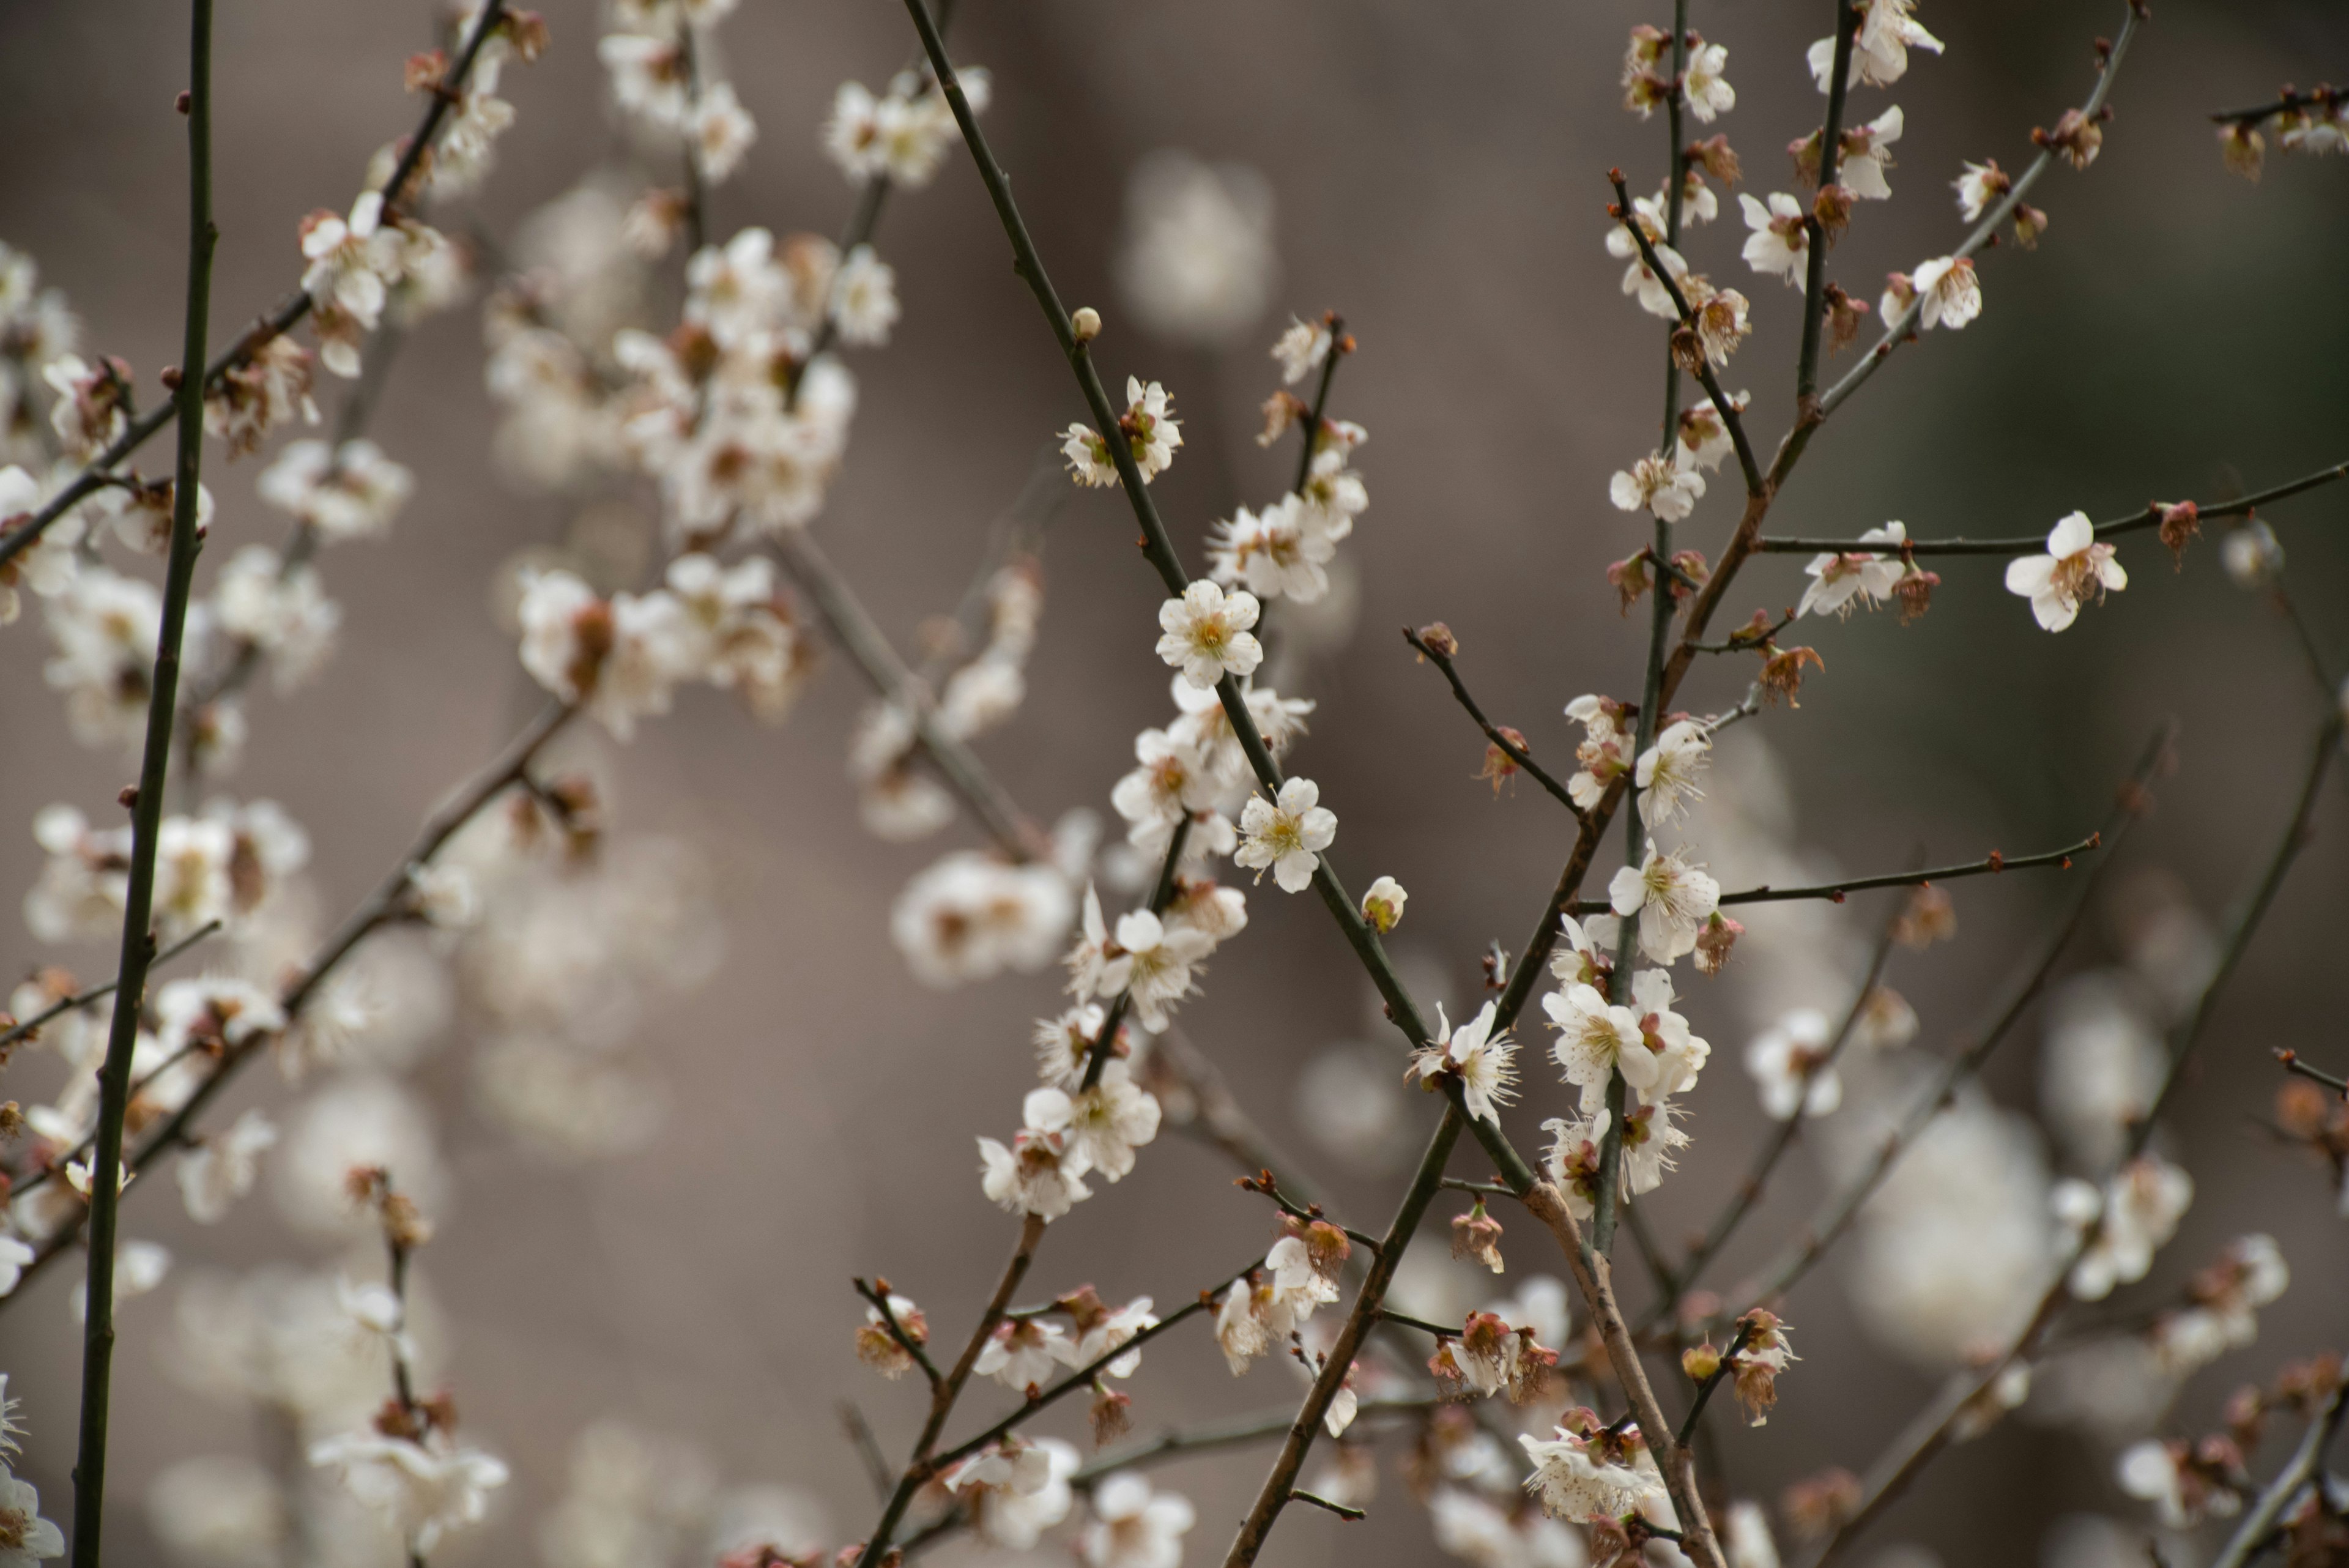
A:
(1629, 577)
(1701, 1361)
(1714, 940)
(2030, 223)
(1383, 905)
(2243, 149)
(1439, 639)
(2181, 522)
(1085, 325)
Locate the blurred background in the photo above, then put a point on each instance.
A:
(1437, 174)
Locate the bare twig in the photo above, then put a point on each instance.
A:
(2150, 517)
(880, 1300)
(2291, 1063)
(1511, 749)
(2305, 1466)
(99, 992)
(2320, 96)
(1343, 1510)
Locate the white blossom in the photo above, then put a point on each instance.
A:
(1482, 1061)
(2077, 568)
(1671, 898)
(1206, 633)
(1041, 1174)
(1111, 1119)
(1790, 1066)
(2134, 1216)
(902, 134)
(1668, 772)
(1286, 836)
(720, 131)
(1300, 350)
(1779, 243)
(1196, 263)
(1949, 292)
(424, 1490)
(26, 1538)
(971, 916)
(1880, 55)
(347, 491)
(1017, 1489)
(1861, 168)
(1843, 581)
(1708, 91)
(1978, 187)
(224, 1167)
(1133, 1526)
(1022, 1352)
(864, 299)
(1148, 428)
(1281, 552)
(1658, 483)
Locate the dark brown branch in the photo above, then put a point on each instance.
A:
(1343, 1510)
(880, 1300)
(1704, 1389)
(2321, 97)
(1514, 751)
(2291, 1063)
(100, 991)
(2150, 517)
(1814, 279)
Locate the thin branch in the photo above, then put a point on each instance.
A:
(880, 1300)
(1420, 1323)
(1336, 326)
(1481, 1189)
(2321, 97)
(1162, 894)
(1806, 368)
(1730, 418)
(1704, 1390)
(100, 991)
(1811, 1242)
(147, 811)
(1511, 749)
(868, 1450)
(1930, 1433)
(1343, 1510)
(1990, 866)
(1225, 1434)
(2305, 1466)
(854, 629)
(2291, 1063)
(2135, 522)
(1896, 330)
(276, 324)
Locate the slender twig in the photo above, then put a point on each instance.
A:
(1481, 1189)
(944, 1394)
(1389, 1315)
(880, 1300)
(1811, 1242)
(2135, 522)
(697, 193)
(1730, 418)
(104, 990)
(1083, 1376)
(1511, 749)
(1814, 277)
(868, 1450)
(137, 953)
(1704, 1390)
(2306, 1466)
(1162, 894)
(1990, 866)
(2291, 1063)
(1277, 1490)
(1336, 327)
(1343, 1510)
(853, 628)
(1748, 1193)
(1929, 1432)
(1898, 329)
(97, 474)
(2285, 103)
(1226, 1434)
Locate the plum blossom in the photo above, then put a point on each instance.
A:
(880, 1349)
(2076, 569)
(1790, 1066)
(1022, 1352)
(1842, 581)
(1281, 552)
(1133, 1526)
(1861, 169)
(864, 299)
(224, 1167)
(1638, 279)
(1383, 905)
(1879, 53)
(1286, 836)
(1667, 771)
(1980, 186)
(1111, 1120)
(1779, 244)
(1705, 86)
(1482, 1061)
(901, 135)
(423, 1488)
(1041, 1173)
(347, 491)
(1204, 633)
(26, 1538)
(1659, 484)
(1148, 427)
(2136, 1213)
(1948, 292)
(1671, 898)
(1577, 1478)
(1016, 1489)
(1197, 261)
(1300, 350)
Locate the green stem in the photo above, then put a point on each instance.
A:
(147, 811)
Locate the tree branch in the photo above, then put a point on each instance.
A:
(1814, 279)
(137, 953)
(2306, 1465)
(1514, 751)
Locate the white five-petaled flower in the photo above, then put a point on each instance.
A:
(1574, 1483)
(1111, 1119)
(2139, 1209)
(1285, 837)
(1483, 1061)
(1708, 91)
(2076, 568)
(1879, 53)
(1647, 1042)
(1148, 427)
(1638, 279)
(1979, 186)
(1671, 898)
(1658, 483)
(1949, 293)
(1021, 1352)
(1865, 159)
(1843, 582)
(1041, 1173)
(1281, 552)
(424, 1490)
(1206, 633)
(1300, 348)
(1134, 1527)
(1779, 243)
(1667, 771)
(25, 1537)
(1790, 1066)
(223, 1168)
